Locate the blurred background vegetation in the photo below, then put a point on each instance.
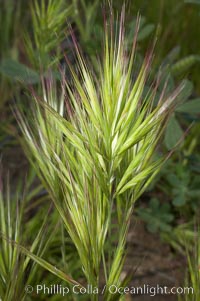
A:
(35, 38)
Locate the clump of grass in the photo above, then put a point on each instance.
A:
(193, 277)
(192, 252)
(93, 148)
(49, 20)
(16, 269)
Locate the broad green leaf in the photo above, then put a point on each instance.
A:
(17, 71)
(185, 92)
(145, 32)
(191, 106)
(173, 133)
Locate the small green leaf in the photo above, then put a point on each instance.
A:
(171, 56)
(192, 106)
(185, 92)
(184, 64)
(18, 71)
(173, 133)
(173, 179)
(145, 32)
(157, 216)
(179, 200)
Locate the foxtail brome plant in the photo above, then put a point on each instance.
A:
(93, 147)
